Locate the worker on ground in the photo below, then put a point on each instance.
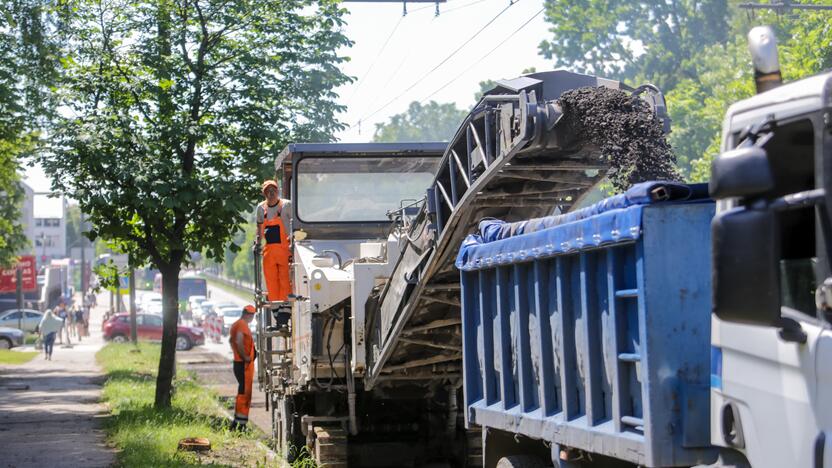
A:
(273, 225)
(242, 344)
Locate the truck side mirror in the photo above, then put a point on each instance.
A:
(746, 253)
(741, 172)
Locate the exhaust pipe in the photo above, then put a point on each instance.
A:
(762, 43)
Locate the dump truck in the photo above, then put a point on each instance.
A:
(363, 365)
(673, 325)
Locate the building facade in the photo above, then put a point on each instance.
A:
(49, 234)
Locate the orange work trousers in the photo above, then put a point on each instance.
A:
(244, 372)
(276, 272)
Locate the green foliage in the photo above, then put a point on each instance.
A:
(657, 41)
(429, 122)
(696, 51)
(149, 437)
(177, 108)
(174, 111)
(16, 357)
(26, 62)
(12, 236)
(242, 268)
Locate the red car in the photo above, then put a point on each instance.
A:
(149, 327)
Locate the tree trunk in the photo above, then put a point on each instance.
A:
(170, 321)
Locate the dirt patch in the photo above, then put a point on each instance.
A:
(627, 131)
(238, 452)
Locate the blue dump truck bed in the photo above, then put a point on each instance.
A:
(592, 330)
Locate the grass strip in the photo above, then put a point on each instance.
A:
(16, 357)
(242, 293)
(146, 436)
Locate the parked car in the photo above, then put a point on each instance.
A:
(149, 327)
(10, 337)
(28, 319)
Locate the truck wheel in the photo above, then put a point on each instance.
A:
(5, 343)
(521, 461)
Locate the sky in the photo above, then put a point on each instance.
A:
(390, 77)
(419, 57)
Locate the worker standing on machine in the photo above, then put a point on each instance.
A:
(273, 225)
(242, 345)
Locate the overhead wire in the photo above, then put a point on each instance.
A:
(435, 67)
(375, 60)
(500, 44)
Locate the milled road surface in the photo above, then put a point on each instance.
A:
(50, 411)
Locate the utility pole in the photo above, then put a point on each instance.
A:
(19, 291)
(133, 332)
(83, 258)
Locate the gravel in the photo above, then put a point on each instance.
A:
(627, 131)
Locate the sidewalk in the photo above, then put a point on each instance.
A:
(50, 411)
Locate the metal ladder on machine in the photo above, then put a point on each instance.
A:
(270, 370)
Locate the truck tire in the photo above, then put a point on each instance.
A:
(521, 461)
(5, 343)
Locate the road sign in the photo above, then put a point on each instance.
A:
(8, 278)
(124, 284)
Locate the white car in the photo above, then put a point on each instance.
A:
(147, 299)
(230, 315)
(201, 311)
(193, 304)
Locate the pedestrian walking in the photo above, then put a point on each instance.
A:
(49, 326)
(79, 323)
(242, 344)
(62, 314)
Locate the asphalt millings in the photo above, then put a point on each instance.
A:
(626, 130)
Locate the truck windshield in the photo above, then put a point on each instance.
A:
(359, 189)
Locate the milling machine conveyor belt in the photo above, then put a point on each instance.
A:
(512, 158)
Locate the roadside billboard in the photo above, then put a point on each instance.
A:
(8, 277)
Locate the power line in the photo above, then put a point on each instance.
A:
(462, 6)
(436, 67)
(458, 76)
(384, 46)
(375, 60)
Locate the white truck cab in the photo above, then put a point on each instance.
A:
(771, 335)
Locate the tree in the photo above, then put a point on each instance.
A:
(26, 65)
(698, 107)
(429, 122)
(175, 109)
(657, 40)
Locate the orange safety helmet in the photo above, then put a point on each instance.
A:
(267, 184)
(249, 309)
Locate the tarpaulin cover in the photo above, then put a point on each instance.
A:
(614, 219)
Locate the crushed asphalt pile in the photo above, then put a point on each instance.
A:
(625, 129)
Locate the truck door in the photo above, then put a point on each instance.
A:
(767, 376)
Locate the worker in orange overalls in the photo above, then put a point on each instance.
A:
(242, 344)
(273, 225)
